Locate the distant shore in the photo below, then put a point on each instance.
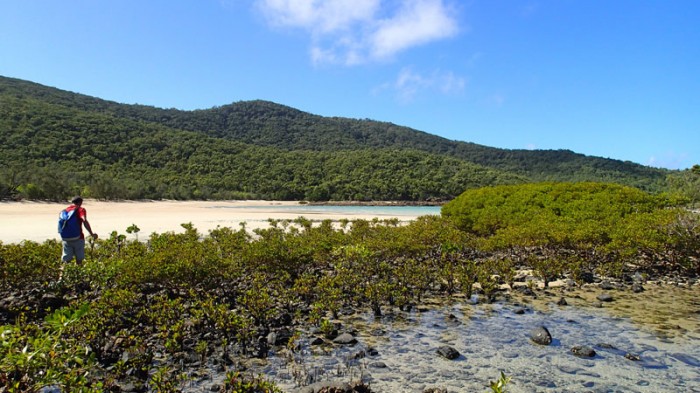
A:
(37, 221)
(375, 203)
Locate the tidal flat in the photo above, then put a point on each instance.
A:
(643, 342)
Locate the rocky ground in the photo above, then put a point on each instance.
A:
(669, 305)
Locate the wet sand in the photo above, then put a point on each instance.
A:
(37, 221)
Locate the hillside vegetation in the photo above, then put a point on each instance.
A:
(55, 143)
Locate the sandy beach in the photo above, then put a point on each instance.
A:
(37, 221)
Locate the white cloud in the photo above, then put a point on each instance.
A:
(318, 16)
(357, 31)
(409, 84)
(418, 22)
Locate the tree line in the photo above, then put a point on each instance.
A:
(255, 149)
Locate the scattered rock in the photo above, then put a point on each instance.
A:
(52, 302)
(605, 297)
(377, 332)
(606, 346)
(540, 335)
(587, 277)
(284, 320)
(335, 387)
(583, 351)
(448, 352)
(279, 337)
(345, 339)
(607, 286)
(525, 290)
(435, 390)
(638, 278)
(372, 352)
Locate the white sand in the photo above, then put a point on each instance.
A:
(37, 221)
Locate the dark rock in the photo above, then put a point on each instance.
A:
(52, 302)
(377, 332)
(331, 334)
(637, 287)
(335, 387)
(262, 348)
(345, 339)
(606, 346)
(215, 388)
(605, 297)
(583, 351)
(607, 286)
(279, 337)
(519, 311)
(435, 390)
(540, 335)
(284, 320)
(378, 365)
(562, 302)
(132, 387)
(587, 277)
(525, 290)
(128, 387)
(448, 352)
(632, 357)
(317, 341)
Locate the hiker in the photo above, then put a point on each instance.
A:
(74, 246)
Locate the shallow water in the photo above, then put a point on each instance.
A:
(492, 338)
(397, 352)
(348, 210)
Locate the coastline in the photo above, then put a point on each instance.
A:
(375, 203)
(36, 221)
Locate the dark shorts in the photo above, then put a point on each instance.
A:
(73, 248)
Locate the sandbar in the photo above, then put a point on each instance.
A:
(38, 221)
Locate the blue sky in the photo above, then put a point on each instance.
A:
(617, 79)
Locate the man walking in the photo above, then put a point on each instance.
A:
(75, 247)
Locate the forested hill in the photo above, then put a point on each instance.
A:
(255, 149)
